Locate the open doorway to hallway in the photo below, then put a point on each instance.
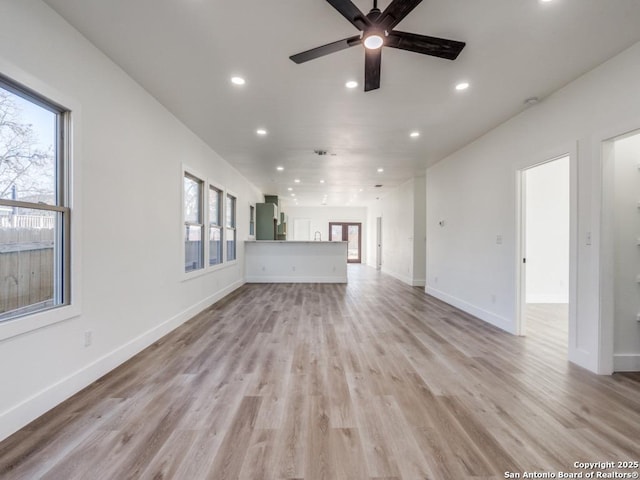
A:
(545, 224)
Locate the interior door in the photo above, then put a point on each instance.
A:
(351, 233)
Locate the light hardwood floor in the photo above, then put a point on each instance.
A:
(373, 379)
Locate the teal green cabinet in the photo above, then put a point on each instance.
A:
(266, 221)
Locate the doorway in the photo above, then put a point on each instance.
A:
(545, 209)
(351, 233)
(620, 250)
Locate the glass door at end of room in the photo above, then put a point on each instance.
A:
(351, 233)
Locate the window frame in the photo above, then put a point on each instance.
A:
(220, 192)
(252, 221)
(191, 175)
(62, 290)
(208, 183)
(234, 227)
(67, 204)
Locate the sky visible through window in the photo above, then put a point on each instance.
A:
(27, 150)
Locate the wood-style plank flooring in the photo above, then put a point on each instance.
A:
(370, 380)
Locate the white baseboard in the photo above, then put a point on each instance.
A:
(628, 362)
(293, 279)
(19, 415)
(489, 317)
(414, 282)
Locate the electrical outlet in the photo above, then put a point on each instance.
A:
(88, 338)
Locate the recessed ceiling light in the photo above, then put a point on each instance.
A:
(380, 170)
(351, 84)
(238, 80)
(321, 181)
(414, 134)
(261, 131)
(362, 189)
(293, 194)
(462, 86)
(297, 180)
(280, 169)
(289, 188)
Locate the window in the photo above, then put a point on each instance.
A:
(34, 209)
(193, 223)
(231, 227)
(252, 220)
(215, 226)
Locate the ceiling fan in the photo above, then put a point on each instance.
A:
(377, 31)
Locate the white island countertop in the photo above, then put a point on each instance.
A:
(295, 261)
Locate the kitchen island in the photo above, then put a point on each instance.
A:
(291, 261)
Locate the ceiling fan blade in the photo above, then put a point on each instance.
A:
(372, 63)
(395, 12)
(326, 49)
(437, 47)
(352, 13)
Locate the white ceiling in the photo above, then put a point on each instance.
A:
(185, 51)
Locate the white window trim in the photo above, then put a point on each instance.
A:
(186, 170)
(223, 264)
(249, 236)
(45, 318)
(207, 182)
(235, 227)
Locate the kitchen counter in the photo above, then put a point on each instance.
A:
(292, 261)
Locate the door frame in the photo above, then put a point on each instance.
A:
(573, 245)
(345, 237)
(608, 361)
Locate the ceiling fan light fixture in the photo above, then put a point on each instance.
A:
(373, 41)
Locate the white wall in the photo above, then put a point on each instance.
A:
(127, 216)
(419, 231)
(403, 231)
(547, 232)
(474, 190)
(627, 250)
(320, 217)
